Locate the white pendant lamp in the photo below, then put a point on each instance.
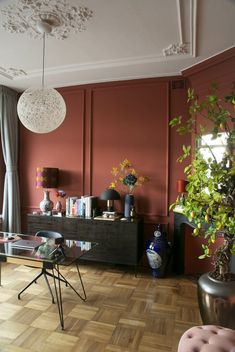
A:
(41, 110)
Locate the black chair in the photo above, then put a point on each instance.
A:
(58, 239)
(49, 234)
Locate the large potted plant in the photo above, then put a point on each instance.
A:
(210, 199)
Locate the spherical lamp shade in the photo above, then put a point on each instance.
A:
(41, 110)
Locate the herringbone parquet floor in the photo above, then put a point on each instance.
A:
(122, 312)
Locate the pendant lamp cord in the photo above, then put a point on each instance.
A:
(43, 57)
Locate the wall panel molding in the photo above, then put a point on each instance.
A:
(71, 92)
(110, 119)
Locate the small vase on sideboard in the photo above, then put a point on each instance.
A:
(58, 206)
(46, 204)
(129, 203)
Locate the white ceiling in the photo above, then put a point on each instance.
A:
(124, 39)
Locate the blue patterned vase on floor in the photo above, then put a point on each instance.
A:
(158, 253)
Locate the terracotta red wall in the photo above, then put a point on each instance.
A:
(106, 123)
(219, 69)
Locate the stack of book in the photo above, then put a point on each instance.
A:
(82, 207)
(108, 215)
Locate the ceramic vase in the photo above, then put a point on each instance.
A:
(46, 204)
(158, 252)
(129, 202)
(58, 206)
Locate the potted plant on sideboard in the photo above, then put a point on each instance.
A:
(210, 199)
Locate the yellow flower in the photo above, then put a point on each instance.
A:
(125, 164)
(127, 176)
(114, 171)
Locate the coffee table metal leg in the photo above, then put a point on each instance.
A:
(58, 293)
(84, 297)
(59, 300)
(84, 292)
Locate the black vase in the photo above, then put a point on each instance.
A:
(129, 202)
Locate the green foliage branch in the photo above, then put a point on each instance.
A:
(210, 199)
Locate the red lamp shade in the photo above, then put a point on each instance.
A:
(47, 177)
(181, 186)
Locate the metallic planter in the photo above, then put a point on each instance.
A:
(216, 301)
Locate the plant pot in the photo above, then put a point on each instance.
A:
(216, 301)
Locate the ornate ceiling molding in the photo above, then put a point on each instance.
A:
(193, 27)
(182, 47)
(12, 73)
(175, 49)
(22, 17)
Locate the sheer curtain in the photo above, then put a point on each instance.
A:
(9, 138)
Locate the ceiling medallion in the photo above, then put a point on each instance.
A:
(11, 72)
(175, 49)
(22, 17)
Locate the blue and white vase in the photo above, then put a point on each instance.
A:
(46, 205)
(158, 253)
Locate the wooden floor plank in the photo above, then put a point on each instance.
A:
(122, 312)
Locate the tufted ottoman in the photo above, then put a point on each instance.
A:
(207, 338)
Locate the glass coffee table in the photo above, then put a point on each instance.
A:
(45, 254)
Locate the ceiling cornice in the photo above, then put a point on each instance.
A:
(172, 52)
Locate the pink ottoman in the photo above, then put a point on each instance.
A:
(207, 338)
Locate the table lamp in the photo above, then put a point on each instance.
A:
(110, 195)
(46, 177)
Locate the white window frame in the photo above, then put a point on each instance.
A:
(208, 145)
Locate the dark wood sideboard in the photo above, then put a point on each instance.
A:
(120, 242)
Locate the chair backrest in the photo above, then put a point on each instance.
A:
(49, 234)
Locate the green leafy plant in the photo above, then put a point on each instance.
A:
(210, 199)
